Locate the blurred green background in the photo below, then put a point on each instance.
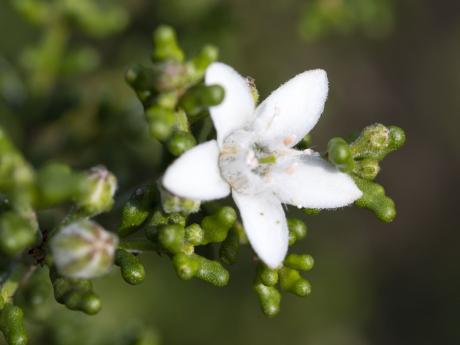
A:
(63, 97)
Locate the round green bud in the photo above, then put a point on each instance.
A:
(386, 212)
(91, 303)
(267, 276)
(161, 122)
(16, 233)
(186, 266)
(171, 237)
(226, 216)
(302, 288)
(269, 298)
(180, 142)
(212, 272)
(397, 137)
(377, 136)
(83, 250)
(297, 228)
(299, 262)
(230, 247)
(213, 95)
(132, 270)
(367, 169)
(12, 325)
(339, 154)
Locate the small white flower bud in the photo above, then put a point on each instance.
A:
(98, 194)
(83, 250)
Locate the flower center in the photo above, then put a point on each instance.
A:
(244, 164)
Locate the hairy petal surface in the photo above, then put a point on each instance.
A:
(292, 110)
(265, 224)
(304, 179)
(196, 175)
(237, 108)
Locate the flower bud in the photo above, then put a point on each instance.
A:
(230, 247)
(374, 198)
(266, 275)
(301, 262)
(165, 45)
(339, 154)
(269, 298)
(196, 67)
(16, 233)
(97, 191)
(180, 142)
(367, 169)
(132, 270)
(216, 226)
(83, 250)
(291, 281)
(12, 324)
(161, 122)
(297, 230)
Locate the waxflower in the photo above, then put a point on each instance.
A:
(253, 158)
(83, 250)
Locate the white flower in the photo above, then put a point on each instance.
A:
(253, 158)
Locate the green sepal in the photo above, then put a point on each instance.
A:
(132, 270)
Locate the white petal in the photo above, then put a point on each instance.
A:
(196, 175)
(307, 180)
(237, 108)
(291, 111)
(265, 225)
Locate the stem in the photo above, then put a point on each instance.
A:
(138, 246)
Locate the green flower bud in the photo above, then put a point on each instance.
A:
(174, 204)
(97, 191)
(189, 266)
(397, 138)
(374, 198)
(132, 270)
(266, 275)
(216, 226)
(75, 294)
(165, 46)
(141, 78)
(136, 210)
(197, 66)
(200, 97)
(16, 233)
(339, 154)
(83, 250)
(180, 142)
(367, 169)
(305, 143)
(57, 183)
(269, 298)
(12, 325)
(161, 122)
(301, 262)
(291, 281)
(171, 237)
(297, 230)
(230, 247)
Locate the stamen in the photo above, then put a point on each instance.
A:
(268, 159)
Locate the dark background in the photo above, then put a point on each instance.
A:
(373, 283)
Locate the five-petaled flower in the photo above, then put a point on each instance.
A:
(253, 158)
